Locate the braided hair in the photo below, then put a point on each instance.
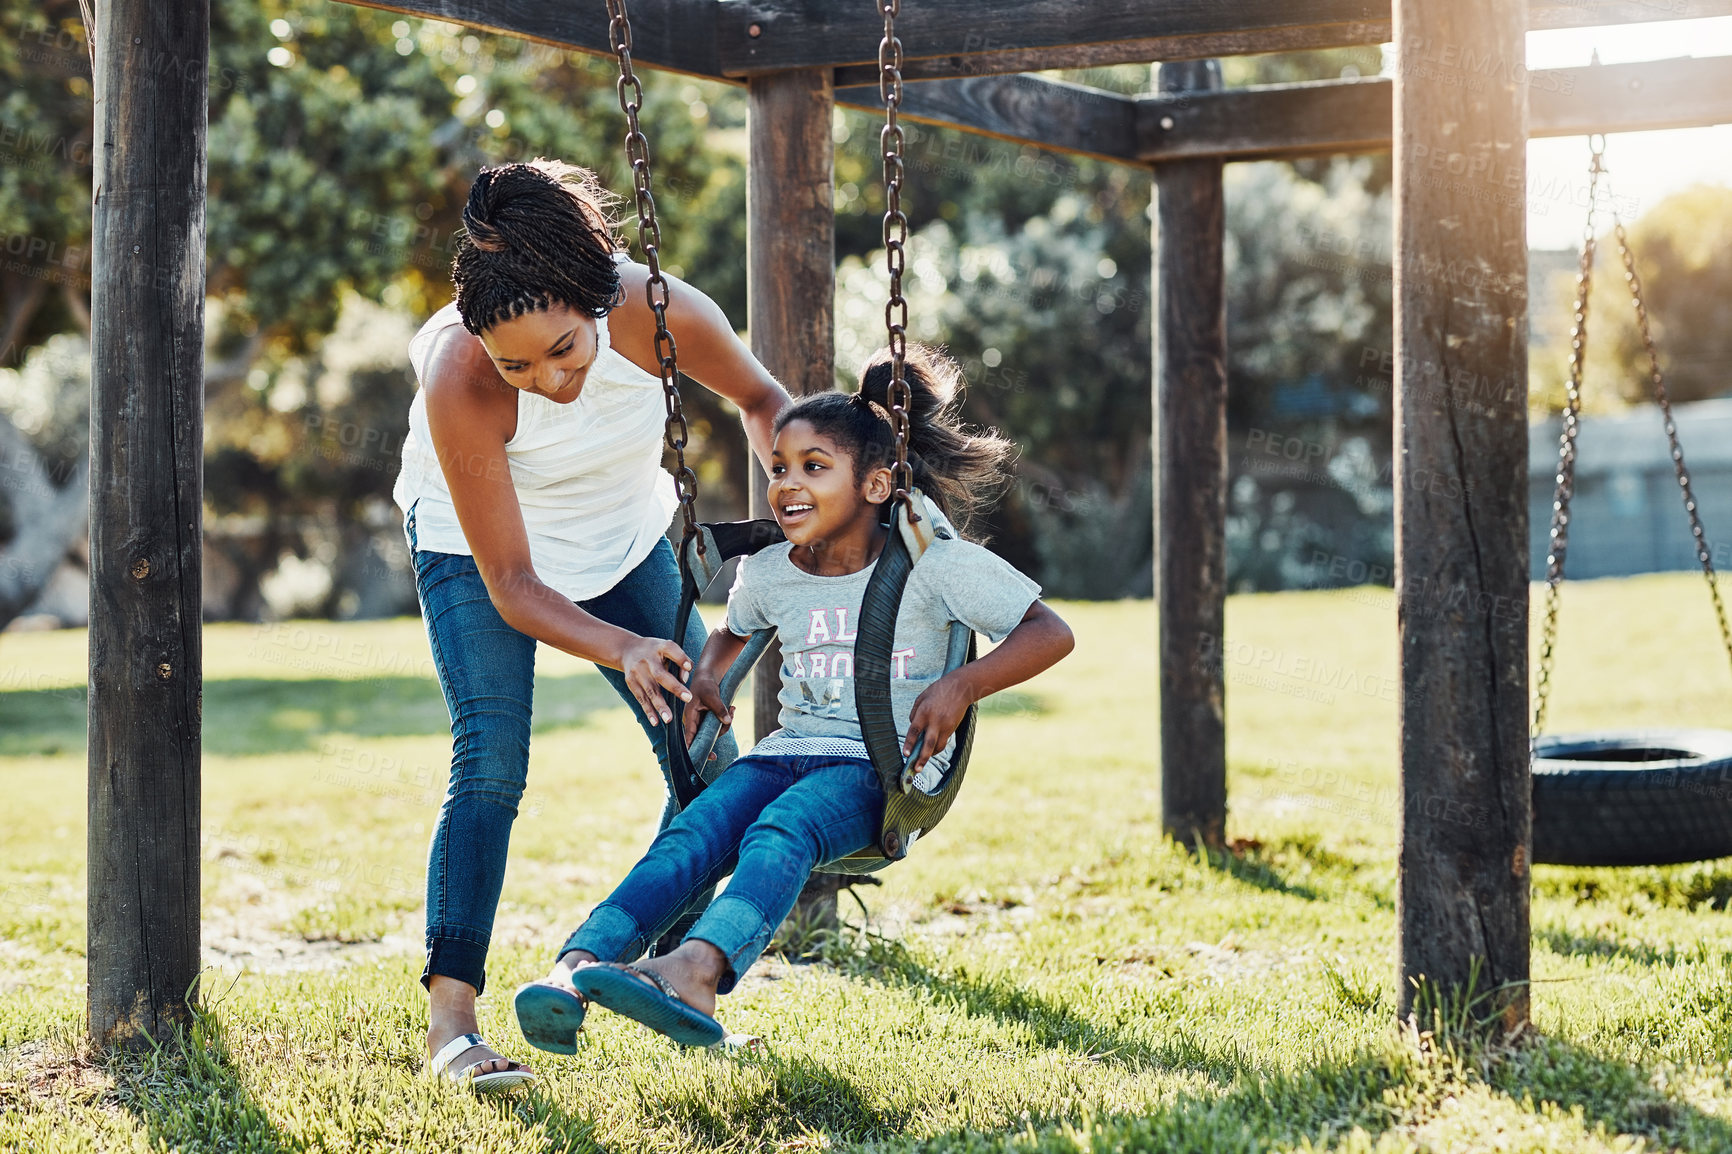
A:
(535, 235)
(961, 469)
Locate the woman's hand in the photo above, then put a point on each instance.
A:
(719, 653)
(644, 661)
(706, 698)
(937, 712)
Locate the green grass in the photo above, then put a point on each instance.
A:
(1046, 973)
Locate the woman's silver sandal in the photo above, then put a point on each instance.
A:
(440, 1067)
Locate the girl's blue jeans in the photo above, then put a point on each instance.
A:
(770, 821)
(487, 672)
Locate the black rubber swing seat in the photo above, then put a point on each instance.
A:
(1632, 797)
(909, 812)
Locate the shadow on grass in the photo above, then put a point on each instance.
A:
(1372, 1091)
(252, 716)
(1616, 1094)
(1052, 1024)
(803, 1098)
(188, 1097)
(1691, 885)
(1256, 870)
(1604, 945)
(550, 1126)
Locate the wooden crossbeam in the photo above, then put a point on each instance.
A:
(943, 38)
(956, 38)
(1686, 93)
(676, 35)
(1272, 122)
(765, 35)
(1027, 109)
(1142, 50)
(1293, 120)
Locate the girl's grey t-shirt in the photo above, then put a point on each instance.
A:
(817, 619)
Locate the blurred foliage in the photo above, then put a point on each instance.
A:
(48, 399)
(1680, 248)
(1033, 269)
(1009, 306)
(1310, 292)
(342, 143)
(45, 135)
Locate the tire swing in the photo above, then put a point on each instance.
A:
(1638, 796)
(915, 522)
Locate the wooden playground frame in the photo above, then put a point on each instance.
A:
(1457, 114)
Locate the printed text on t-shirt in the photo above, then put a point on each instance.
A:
(840, 661)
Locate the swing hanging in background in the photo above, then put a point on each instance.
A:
(1623, 797)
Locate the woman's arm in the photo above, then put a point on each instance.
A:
(471, 414)
(1040, 640)
(710, 352)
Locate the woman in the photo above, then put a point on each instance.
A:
(535, 506)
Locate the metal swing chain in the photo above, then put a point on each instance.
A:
(1567, 441)
(1703, 553)
(891, 140)
(1566, 476)
(675, 431)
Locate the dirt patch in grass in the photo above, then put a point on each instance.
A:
(46, 1071)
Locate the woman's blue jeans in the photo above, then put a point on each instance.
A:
(770, 821)
(487, 672)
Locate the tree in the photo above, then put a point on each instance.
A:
(1679, 246)
(1034, 268)
(343, 141)
(342, 144)
(388, 120)
(45, 133)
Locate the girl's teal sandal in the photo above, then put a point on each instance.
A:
(649, 999)
(550, 1016)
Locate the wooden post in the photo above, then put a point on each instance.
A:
(146, 493)
(1190, 325)
(1461, 559)
(790, 295)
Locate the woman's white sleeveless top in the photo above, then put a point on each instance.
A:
(588, 474)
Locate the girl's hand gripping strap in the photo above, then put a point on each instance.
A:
(710, 729)
(698, 570)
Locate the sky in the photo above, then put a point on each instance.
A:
(1644, 166)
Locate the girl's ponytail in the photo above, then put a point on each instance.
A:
(962, 469)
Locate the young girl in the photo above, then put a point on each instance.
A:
(807, 794)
